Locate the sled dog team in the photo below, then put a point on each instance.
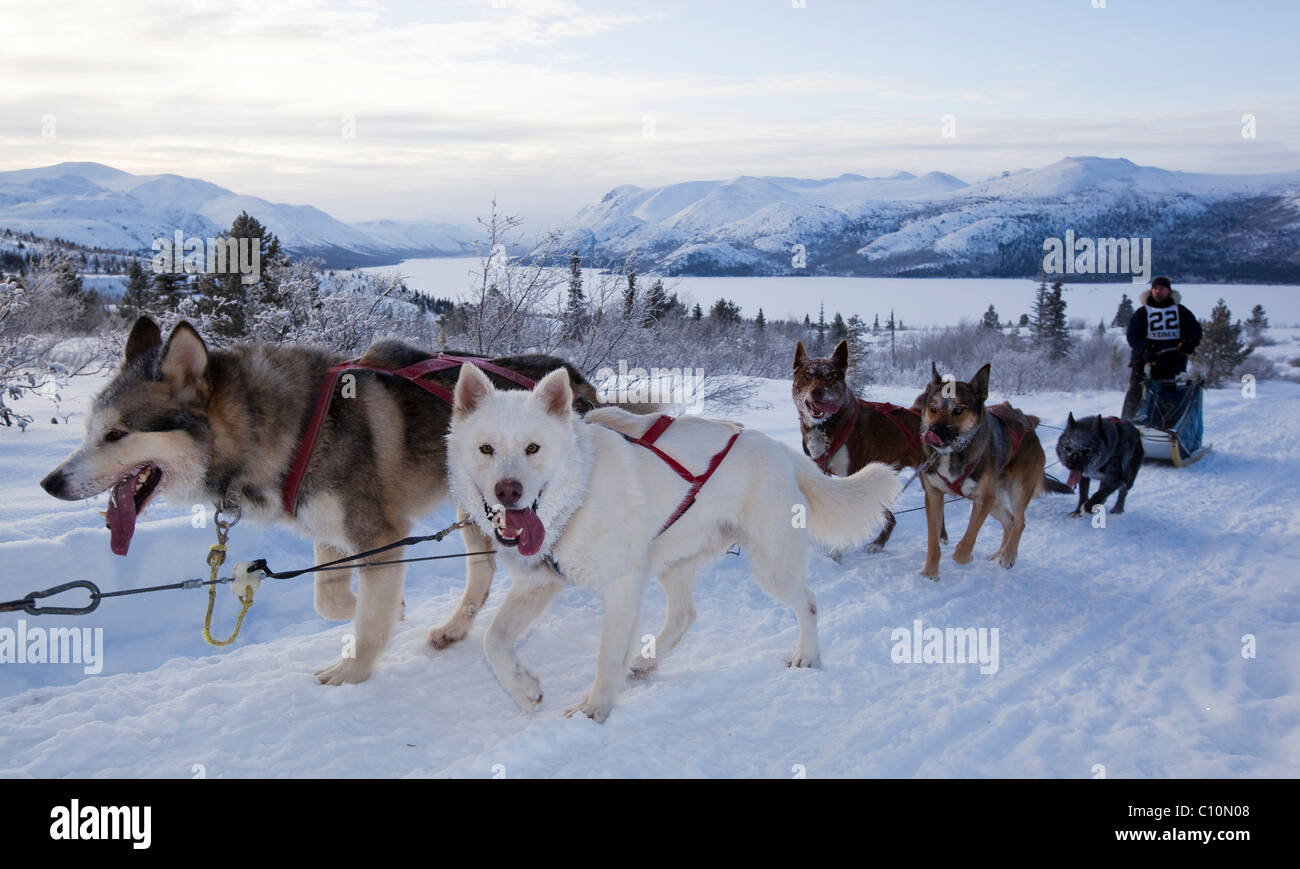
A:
(570, 491)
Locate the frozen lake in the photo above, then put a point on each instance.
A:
(916, 301)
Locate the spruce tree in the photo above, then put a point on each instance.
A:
(760, 322)
(697, 313)
(136, 298)
(1221, 349)
(839, 331)
(656, 303)
(629, 295)
(575, 311)
(990, 320)
(1124, 313)
(1257, 323)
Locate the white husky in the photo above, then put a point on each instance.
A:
(574, 501)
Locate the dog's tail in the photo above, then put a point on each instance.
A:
(1051, 484)
(846, 511)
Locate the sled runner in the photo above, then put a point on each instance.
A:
(1170, 420)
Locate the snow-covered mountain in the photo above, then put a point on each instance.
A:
(99, 206)
(1224, 227)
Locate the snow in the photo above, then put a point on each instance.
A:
(1118, 646)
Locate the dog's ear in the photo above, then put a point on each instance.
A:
(472, 388)
(979, 384)
(935, 378)
(1069, 422)
(144, 336)
(555, 393)
(840, 358)
(184, 363)
(799, 354)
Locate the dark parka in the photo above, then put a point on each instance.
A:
(1173, 325)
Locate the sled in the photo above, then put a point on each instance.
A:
(1170, 421)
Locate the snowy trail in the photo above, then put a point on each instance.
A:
(1118, 646)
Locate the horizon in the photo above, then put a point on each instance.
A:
(372, 110)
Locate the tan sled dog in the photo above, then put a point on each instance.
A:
(990, 455)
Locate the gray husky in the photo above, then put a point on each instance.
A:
(1107, 449)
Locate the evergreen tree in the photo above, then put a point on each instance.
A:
(990, 320)
(575, 311)
(166, 290)
(227, 299)
(1221, 349)
(629, 295)
(697, 313)
(136, 299)
(839, 331)
(820, 344)
(875, 327)
(657, 303)
(725, 311)
(1124, 313)
(855, 329)
(1024, 319)
(1050, 326)
(760, 322)
(1257, 323)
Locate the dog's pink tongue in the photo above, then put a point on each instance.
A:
(530, 528)
(1075, 477)
(933, 439)
(121, 515)
(826, 408)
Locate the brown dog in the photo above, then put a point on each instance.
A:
(989, 455)
(842, 433)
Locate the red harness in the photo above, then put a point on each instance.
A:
(885, 409)
(1017, 436)
(697, 482)
(325, 396)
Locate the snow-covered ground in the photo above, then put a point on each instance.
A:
(1120, 646)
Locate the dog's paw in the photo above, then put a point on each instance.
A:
(931, 573)
(805, 659)
(961, 556)
(1006, 560)
(597, 712)
(836, 555)
(873, 548)
(1077, 513)
(642, 668)
(444, 635)
(526, 689)
(1118, 511)
(345, 671)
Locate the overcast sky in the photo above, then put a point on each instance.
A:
(400, 110)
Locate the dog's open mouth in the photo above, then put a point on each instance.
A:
(125, 502)
(821, 409)
(1075, 477)
(932, 438)
(520, 528)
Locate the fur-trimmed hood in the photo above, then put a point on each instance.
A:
(1145, 296)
